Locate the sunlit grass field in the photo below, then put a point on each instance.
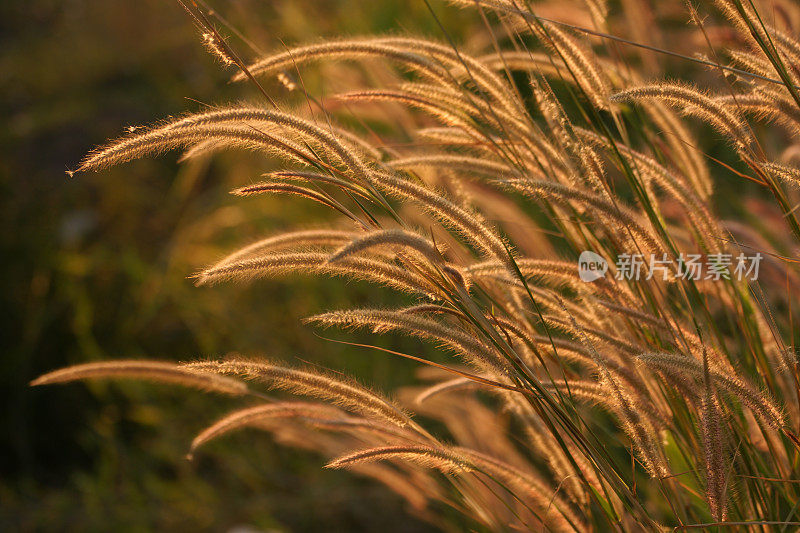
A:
(100, 266)
(458, 164)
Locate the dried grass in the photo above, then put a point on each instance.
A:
(679, 369)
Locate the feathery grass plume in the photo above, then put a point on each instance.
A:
(623, 219)
(696, 208)
(157, 371)
(716, 467)
(131, 147)
(598, 10)
(399, 238)
(157, 138)
(598, 394)
(211, 43)
(751, 62)
(591, 392)
(561, 128)
(693, 102)
(451, 136)
(540, 63)
(591, 168)
(168, 138)
(642, 432)
(316, 415)
(766, 106)
(510, 6)
(511, 331)
(781, 356)
(684, 369)
(639, 316)
(688, 338)
(426, 456)
(786, 174)
(484, 115)
(639, 428)
(287, 80)
(202, 149)
(364, 427)
(551, 509)
(565, 469)
(453, 385)
(468, 224)
(252, 416)
(347, 49)
(432, 309)
(362, 268)
(788, 46)
(484, 78)
(384, 321)
(453, 162)
(445, 114)
(346, 393)
(712, 437)
(297, 190)
(683, 147)
(286, 188)
(448, 135)
(602, 336)
(549, 302)
(356, 142)
(322, 237)
(302, 175)
(579, 61)
(651, 170)
(763, 37)
(505, 326)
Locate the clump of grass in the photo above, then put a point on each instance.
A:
(558, 398)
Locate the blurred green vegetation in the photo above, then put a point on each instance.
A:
(96, 267)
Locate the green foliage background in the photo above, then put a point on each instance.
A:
(95, 267)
